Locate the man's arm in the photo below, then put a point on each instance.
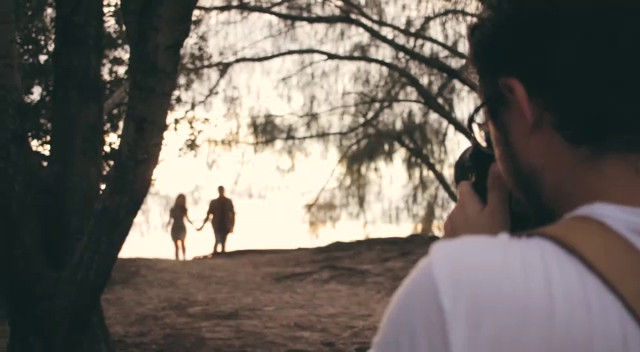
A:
(414, 319)
(204, 222)
(231, 216)
(206, 218)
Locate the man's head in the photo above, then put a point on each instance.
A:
(221, 191)
(560, 79)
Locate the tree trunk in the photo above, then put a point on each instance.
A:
(54, 300)
(95, 337)
(38, 312)
(54, 297)
(10, 87)
(77, 136)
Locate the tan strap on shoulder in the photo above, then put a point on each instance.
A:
(607, 254)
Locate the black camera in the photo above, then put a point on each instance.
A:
(473, 165)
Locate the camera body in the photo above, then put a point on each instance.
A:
(473, 165)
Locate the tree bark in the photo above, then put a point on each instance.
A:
(77, 127)
(9, 90)
(29, 334)
(54, 300)
(36, 318)
(11, 143)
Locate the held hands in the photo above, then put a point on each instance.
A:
(472, 216)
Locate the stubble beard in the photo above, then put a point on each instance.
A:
(524, 182)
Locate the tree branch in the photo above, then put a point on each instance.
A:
(346, 19)
(343, 156)
(117, 98)
(413, 34)
(269, 36)
(301, 69)
(367, 121)
(347, 106)
(420, 155)
(428, 98)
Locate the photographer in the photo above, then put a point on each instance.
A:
(560, 82)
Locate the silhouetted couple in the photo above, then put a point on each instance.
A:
(223, 220)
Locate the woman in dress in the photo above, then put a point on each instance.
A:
(178, 230)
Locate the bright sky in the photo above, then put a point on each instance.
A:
(269, 202)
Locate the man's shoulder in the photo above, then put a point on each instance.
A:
(489, 269)
(517, 288)
(455, 280)
(476, 275)
(489, 254)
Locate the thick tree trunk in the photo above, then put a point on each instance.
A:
(77, 127)
(26, 337)
(10, 87)
(62, 207)
(54, 299)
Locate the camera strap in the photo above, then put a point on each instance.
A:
(610, 256)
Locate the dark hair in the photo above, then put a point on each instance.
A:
(180, 202)
(578, 59)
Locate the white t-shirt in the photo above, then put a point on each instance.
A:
(502, 293)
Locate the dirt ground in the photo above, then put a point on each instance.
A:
(322, 299)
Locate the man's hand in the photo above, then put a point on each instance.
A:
(204, 222)
(472, 216)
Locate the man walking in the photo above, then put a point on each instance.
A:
(559, 79)
(223, 219)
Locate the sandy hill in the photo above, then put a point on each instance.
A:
(322, 299)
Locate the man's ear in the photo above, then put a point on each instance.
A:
(518, 102)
